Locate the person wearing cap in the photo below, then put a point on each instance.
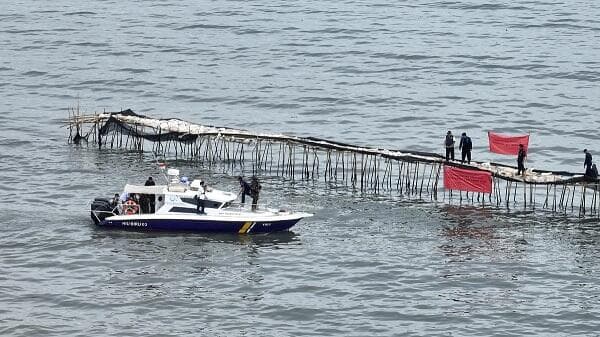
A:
(449, 143)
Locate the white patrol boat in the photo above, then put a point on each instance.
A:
(176, 209)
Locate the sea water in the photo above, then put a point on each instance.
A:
(394, 75)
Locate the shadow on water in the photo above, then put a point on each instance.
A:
(472, 232)
(197, 254)
(467, 231)
(194, 238)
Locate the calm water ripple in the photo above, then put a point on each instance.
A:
(388, 75)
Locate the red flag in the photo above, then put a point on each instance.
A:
(506, 144)
(467, 180)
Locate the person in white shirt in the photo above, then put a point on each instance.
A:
(200, 197)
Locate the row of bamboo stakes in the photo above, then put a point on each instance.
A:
(367, 173)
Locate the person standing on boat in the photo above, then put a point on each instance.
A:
(521, 160)
(255, 190)
(115, 203)
(150, 197)
(449, 143)
(588, 162)
(150, 182)
(244, 189)
(465, 146)
(200, 197)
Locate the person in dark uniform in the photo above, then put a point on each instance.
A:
(588, 162)
(245, 189)
(150, 202)
(465, 146)
(594, 172)
(521, 160)
(449, 143)
(255, 190)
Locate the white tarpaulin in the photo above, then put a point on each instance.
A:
(140, 189)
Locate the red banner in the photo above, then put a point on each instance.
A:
(505, 144)
(467, 180)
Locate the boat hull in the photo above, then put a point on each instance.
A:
(200, 224)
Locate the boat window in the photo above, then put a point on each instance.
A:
(189, 201)
(182, 210)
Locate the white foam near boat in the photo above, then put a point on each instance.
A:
(176, 209)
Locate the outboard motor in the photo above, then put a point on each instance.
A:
(101, 209)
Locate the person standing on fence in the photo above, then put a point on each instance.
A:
(465, 146)
(449, 143)
(593, 172)
(588, 162)
(521, 160)
(255, 190)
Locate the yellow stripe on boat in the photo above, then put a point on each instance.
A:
(245, 227)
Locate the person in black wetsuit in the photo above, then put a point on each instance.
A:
(521, 160)
(150, 202)
(465, 146)
(245, 189)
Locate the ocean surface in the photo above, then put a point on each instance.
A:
(392, 75)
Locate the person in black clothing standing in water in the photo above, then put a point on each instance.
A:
(465, 146)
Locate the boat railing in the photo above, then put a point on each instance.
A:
(114, 211)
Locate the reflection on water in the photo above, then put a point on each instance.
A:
(468, 223)
(263, 240)
(165, 245)
(471, 231)
(198, 267)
